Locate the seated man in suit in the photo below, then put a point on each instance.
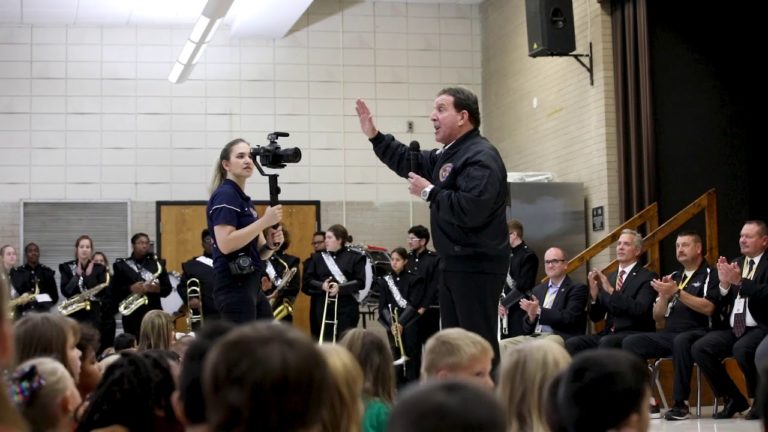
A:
(743, 283)
(687, 299)
(624, 298)
(557, 310)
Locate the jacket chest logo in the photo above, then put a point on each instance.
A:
(445, 171)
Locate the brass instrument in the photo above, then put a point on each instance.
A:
(398, 339)
(23, 298)
(136, 300)
(288, 274)
(82, 300)
(194, 288)
(283, 310)
(335, 320)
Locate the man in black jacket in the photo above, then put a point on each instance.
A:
(686, 301)
(742, 284)
(624, 299)
(464, 183)
(557, 310)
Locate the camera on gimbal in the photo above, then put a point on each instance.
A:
(272, 156)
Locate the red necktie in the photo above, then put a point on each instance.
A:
(620, 280)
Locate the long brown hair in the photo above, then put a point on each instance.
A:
(375, 359)
(9, 416)
(219, 173)
(155, 332)
(81, 238)
(344, 403)
(45, 335)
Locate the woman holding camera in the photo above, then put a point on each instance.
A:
(239, 241)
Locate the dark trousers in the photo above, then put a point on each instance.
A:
(409, 371)
(317, 302)
(761, 354)
(429, 324)
(239, 299)
(710, 350)
(665, 344)
(470, 301)
(578, 344)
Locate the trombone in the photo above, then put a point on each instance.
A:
(194, 318)
(335, 320)
(398, 338)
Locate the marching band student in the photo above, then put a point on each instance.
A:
(338, 272)
(108, 308)
(45, 394)
(200, 268)
(402, 292)
(239, 247)
(8, 254)
(34, 275)
(142, 274)
(10, 420)
(80, 275)
(276, 266)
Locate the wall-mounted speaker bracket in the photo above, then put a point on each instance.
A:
(589, 68)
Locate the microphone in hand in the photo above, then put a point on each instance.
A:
(414, 150)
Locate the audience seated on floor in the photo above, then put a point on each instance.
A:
(457, 353)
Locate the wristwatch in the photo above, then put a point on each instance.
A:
(425, 192)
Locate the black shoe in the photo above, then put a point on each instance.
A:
(678, 412)
(752, 414)
(654, 411)
(733, 407)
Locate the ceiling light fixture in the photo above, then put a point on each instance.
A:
(202, 32)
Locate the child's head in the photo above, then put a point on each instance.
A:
(375, 359)
(447, 405)
(125, 341)
(135, 392)
(526, 371)
(601, 390)
(45, 394)
(156, 331)
(90, 370)
(457, 353)
(189, 402)
(344, 403)
(9, 416)
(263, 374)
(48, 335)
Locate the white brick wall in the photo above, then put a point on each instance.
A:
(571, 132)
(86, 112)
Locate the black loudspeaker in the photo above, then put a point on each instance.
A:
(550, 27)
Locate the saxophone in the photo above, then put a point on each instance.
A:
(82, 300)
(135, 301)
(23, 299)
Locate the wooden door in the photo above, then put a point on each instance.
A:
(180, 224)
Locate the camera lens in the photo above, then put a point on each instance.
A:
(291, 155)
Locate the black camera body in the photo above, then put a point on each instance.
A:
(272, 156)
(242, 264)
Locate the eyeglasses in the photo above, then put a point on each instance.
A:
(553, 261)
(318, 242)
(413, 239)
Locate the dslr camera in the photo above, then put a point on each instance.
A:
(272, 156)
(242, 264)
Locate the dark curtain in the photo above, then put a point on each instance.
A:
(634, 112)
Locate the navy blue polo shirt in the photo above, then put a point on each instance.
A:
(229, 205)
